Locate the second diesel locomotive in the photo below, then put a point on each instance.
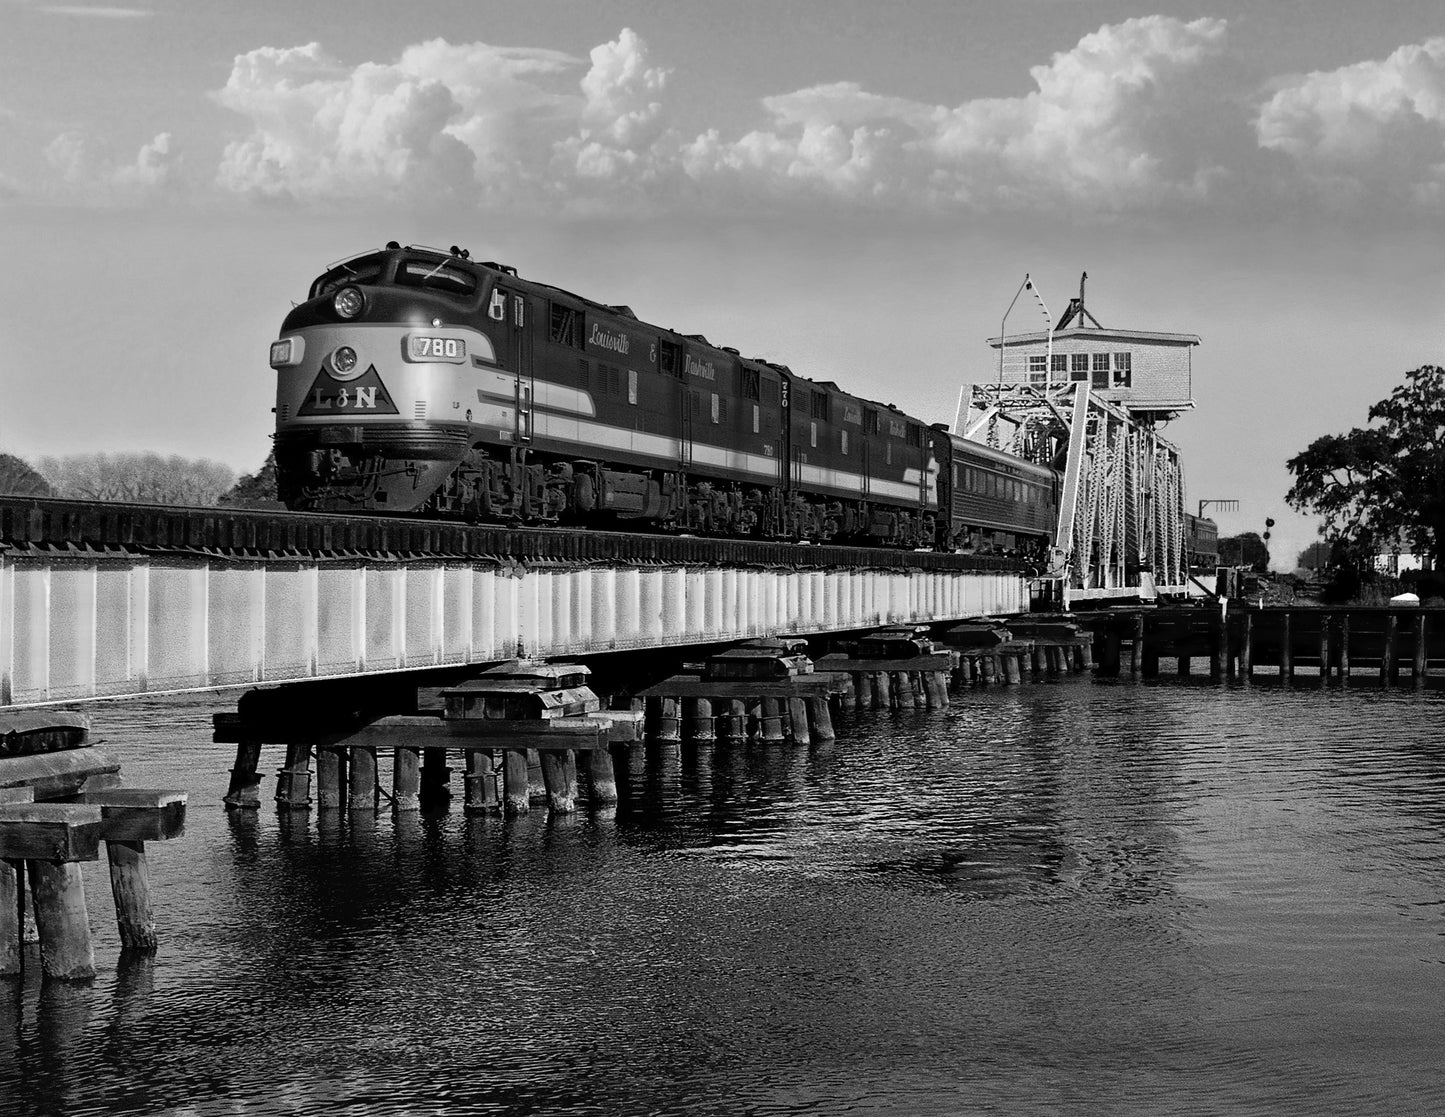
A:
(419, 382)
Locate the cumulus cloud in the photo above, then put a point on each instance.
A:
(93, 176)
(469, 118)
(68, 154)
(152, 166)
(489, 124)
(1368, 123)
(1101, 129)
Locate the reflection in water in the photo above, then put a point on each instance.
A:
(1073, 898)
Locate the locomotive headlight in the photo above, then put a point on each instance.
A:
(343, 361)
(348, 302)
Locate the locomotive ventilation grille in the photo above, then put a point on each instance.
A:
(419, 409)
(285, 412)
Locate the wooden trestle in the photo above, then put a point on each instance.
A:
(1388, 644)
(56, 807)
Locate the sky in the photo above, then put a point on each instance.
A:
(852, 188)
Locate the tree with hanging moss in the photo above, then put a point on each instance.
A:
(1384, 484)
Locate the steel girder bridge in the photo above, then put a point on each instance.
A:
(1122, 529)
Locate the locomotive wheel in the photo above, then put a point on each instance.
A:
(584, 493)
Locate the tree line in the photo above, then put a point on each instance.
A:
(143, 477)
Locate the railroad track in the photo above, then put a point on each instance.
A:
(47, 526)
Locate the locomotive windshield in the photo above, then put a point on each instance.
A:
(363, 270)
(416, 271)
(438, 275)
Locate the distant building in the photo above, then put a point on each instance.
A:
(1149, 374)
(1397, 561)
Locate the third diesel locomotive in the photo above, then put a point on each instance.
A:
(420, 382)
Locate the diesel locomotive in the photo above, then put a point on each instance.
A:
(420, 382)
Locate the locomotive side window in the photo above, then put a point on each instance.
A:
(915, 435)
(843, 435)
(667, 359)
(565, 326)
(820, 406)
(870, 422)
(421, 273)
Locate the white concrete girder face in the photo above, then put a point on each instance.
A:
(72, 630)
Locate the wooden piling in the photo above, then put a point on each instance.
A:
(798, 721)
(60, 913)
(516, 782)
(361, 792)
(1109, 661)
(1286, 652)
(130, 885)
(734, 727)
(1011, 672)
(559, 772)
(966, 664)
(12, 917)
(406, 779)
(293, 782)
(536, 782)
(1387, 657)
(1246, 646)
(1136, 648)
(636, 764)
(244, 791)
(434, 777)
(862, 691)
(1324, 648)
(988, 668)
(1218, 649)
(771, 728)
(820, 721)
(330, 778)
(698, 715)
(481, 782)
(1421, 662)
(903, 694)
(601, 779)
(1344, 648)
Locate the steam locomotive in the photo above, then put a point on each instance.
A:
(419, 382)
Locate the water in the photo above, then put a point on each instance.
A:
(1075, 898)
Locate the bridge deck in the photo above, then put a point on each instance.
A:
(99, 600)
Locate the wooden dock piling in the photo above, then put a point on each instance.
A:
(1388, 673)
(1421, 661)
(406, 779)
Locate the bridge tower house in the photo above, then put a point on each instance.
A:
(1089, 400)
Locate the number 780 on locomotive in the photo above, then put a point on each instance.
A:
(420, 382)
